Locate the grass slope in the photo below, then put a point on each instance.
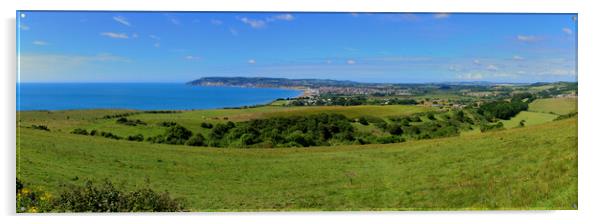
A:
(554, 105)
(527, 168)
(531, 118)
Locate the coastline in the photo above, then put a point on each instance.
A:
(303, 91)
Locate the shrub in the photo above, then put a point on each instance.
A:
(197, 140)
(109, 135)
(362, 120)
(138, 137)
(79, 131)
(395, 129)
(431, 116)
(167, 124)
(93, 132)
(125, 121)
(106, 197)
(206, 125)
(177, 135)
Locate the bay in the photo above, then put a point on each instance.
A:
(141, 96)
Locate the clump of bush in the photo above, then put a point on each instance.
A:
(119, 115)
(167, 124)
(197, 140)
(109, 135)
(106, 197)
(79, 131)
(502, 109)
(175, 135)
(138, 137)
(125, 121)
(206, 125)
(40, 127)
(103, 197)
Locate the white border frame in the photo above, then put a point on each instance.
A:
(589, 77)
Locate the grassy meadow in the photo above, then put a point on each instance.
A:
(557, 106)
(534, 167)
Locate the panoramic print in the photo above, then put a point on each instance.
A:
(145, 111)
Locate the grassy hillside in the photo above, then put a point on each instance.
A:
(66, 121)
(530, 118)
(527, 168)
(554, 105)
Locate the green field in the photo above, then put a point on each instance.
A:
(558, 106)
(527, 168)
(530, 118)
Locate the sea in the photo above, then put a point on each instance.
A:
(141, 96)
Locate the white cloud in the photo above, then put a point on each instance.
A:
(251, 61)
(526, 38)
(255, 23)
(122, 20)
(567, 31)
(23, 26)
(172, 19)
(192, 58)
(40, 43)
(115, 35)
(441, 15)
(351, 62)
(286, 17)
(492, 68)
(517, 58)
(259, 23)
(216, 22)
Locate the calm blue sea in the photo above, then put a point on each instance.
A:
(141, 96)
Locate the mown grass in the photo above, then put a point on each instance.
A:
(558, 106)
(528, 168)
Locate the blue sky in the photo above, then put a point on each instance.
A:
(367, 47)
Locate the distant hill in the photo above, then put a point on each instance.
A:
(270, 82)
(312, 83)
